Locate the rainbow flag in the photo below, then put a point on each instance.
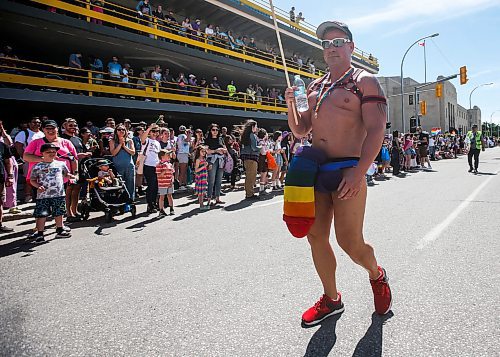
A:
(298, 208)
(435, 131)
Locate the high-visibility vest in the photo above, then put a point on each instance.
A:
(479, 138)
(231, 89)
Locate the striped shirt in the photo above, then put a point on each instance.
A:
(165, 174)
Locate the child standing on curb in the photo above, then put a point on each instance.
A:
(165, 174)
(201, 175)
(48, 178)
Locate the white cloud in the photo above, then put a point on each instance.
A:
(414, 13)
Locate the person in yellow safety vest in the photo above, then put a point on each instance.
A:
(476, 140)
(231, 88)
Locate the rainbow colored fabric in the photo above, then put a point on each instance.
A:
(298, 207)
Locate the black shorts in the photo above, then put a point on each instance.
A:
(55, 206)
(262, 164)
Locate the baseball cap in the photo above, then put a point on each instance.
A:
(103, 163)
(49, 122)
(327, 25)
(48, 146)
(182, 128)
(107, 131)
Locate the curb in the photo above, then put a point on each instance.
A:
(15, 217)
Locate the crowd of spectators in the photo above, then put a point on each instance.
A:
(192, 84)
(165, 160)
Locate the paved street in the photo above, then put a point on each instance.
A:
(233, 282)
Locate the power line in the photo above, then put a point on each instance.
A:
(452, 66)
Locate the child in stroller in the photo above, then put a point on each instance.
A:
(106, 190)
(105, 176)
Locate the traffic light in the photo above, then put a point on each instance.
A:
(439, 90)
(388, 125)
(463, 75)
(423, 107)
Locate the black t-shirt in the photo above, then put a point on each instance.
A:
(214, 143)
(4, 154)
(424, 139)
(77, 143)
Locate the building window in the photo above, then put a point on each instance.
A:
(410, 99)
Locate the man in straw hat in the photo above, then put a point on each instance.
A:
(347, 113)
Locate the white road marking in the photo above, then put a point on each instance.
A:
(436, 231)
(256, 206)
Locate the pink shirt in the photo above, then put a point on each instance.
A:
(65, 152)
(408, 144)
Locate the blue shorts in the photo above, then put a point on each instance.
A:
(47, 206)
(330, 174)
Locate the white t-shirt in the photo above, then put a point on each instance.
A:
(209, 31)
(125, 75)
(182, 144)
(265, 146)
(432, 142)
(153, 148)
(21, 136)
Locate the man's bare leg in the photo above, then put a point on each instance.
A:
(349, 217)
(319, 239)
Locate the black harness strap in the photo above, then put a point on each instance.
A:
(373, 99)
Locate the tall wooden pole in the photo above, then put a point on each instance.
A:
(278, 35)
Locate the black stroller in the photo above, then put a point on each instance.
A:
(111, 199)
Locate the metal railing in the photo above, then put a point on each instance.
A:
(127, 19)
(50, 77)
(263, 7)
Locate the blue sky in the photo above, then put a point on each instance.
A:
(469, 35)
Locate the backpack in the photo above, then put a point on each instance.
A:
(228, 164)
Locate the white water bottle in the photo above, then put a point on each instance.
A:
(300, 94)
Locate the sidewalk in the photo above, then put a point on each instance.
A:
(27, 208)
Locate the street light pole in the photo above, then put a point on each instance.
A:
(401, 78)
(479, 86)
(491, 123)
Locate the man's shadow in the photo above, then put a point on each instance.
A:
(323, 340)
(371, 343)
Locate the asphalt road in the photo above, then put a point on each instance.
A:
(233, 282)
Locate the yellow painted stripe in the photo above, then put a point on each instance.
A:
(299, 194)
(148, 93)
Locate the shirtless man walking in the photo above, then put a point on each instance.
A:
(347, 114)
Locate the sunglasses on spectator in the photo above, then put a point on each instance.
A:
(120, 129)
(215, 129)
(155, 130)
(336, 42)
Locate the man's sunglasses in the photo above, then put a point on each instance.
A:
(336, 42)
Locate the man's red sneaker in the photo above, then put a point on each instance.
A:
(324, 308)
(382, 293)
